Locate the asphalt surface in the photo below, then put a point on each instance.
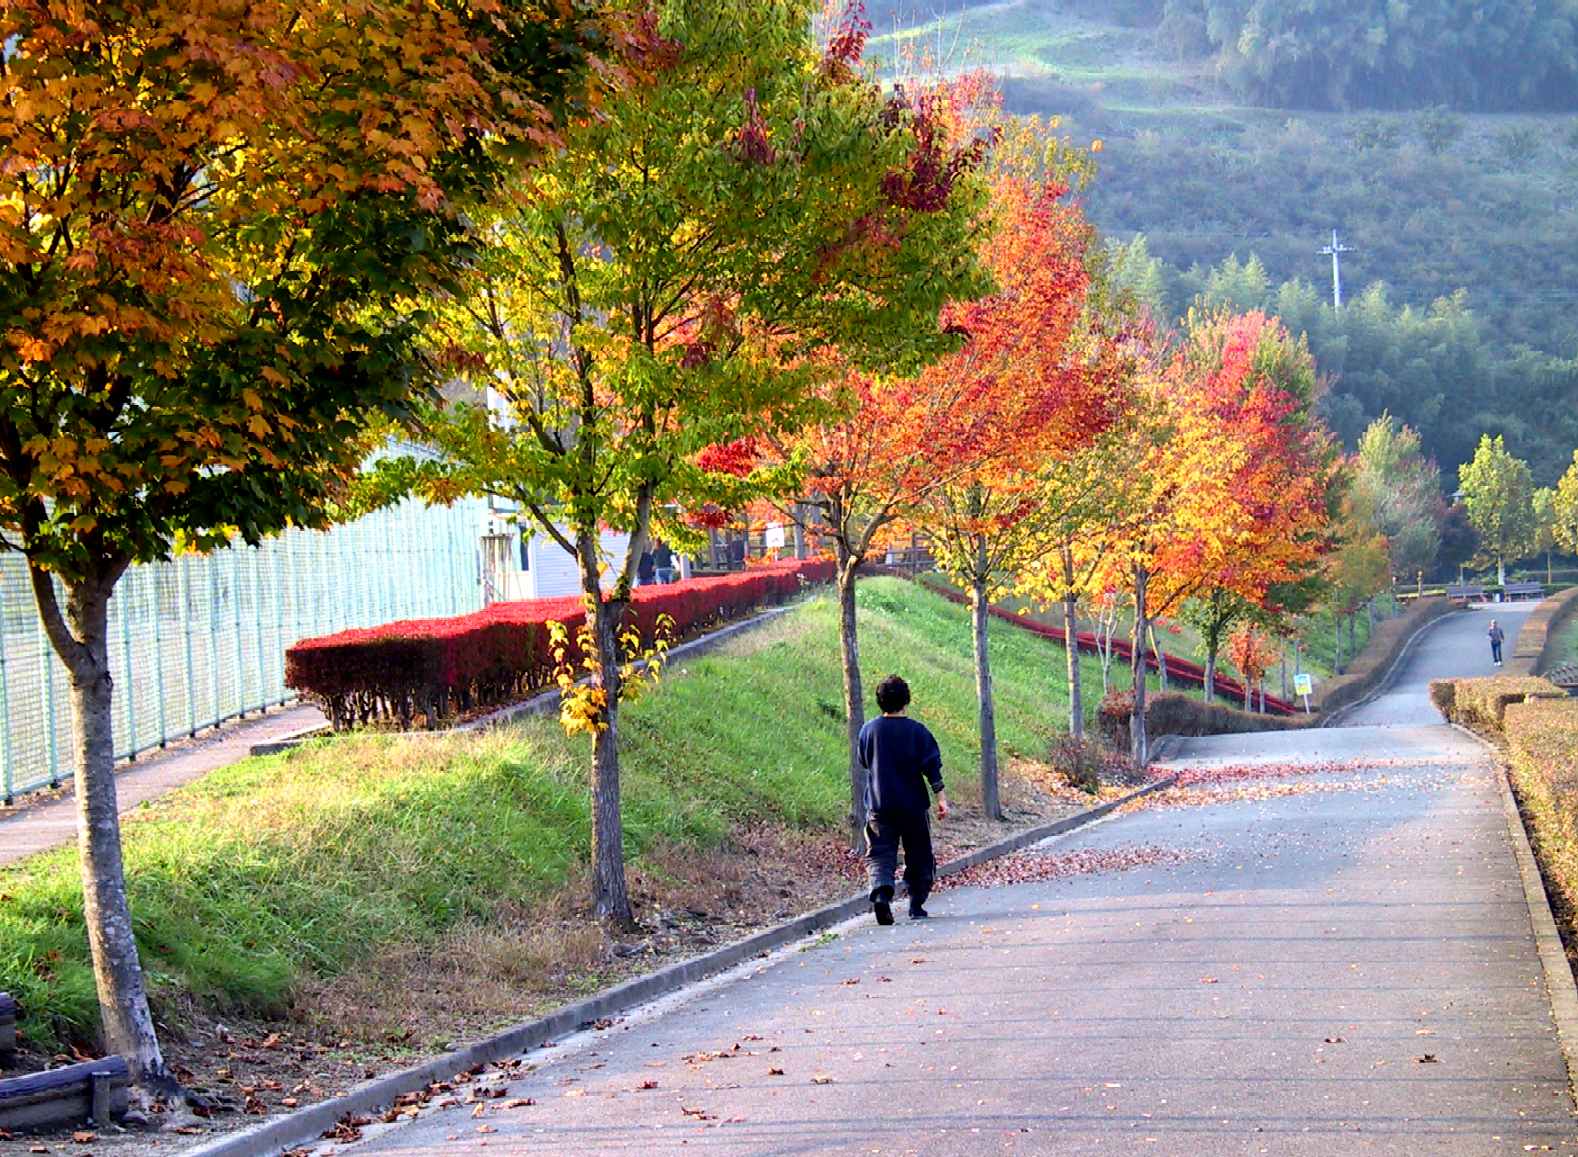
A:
(1328, 955)
(1454, 645)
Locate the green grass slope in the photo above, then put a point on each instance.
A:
(287, 868)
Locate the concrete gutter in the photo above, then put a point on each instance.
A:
(306, 1126)
(1560, 986)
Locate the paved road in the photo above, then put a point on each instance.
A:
(1455, 645)
(1326, 962)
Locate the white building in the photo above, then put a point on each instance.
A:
(519, 561)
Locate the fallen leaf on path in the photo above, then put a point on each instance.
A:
(821, 1079)
(647, 1084)
(1427, 1059)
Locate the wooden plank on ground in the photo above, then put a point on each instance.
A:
(93, 1089)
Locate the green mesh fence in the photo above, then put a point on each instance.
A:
(200, 640)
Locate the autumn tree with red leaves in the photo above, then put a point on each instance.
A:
(1039, 385)
(1232, 479)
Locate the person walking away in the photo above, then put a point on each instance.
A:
(663, 562)
(901, 758)
(1497, 637)
(646, 570)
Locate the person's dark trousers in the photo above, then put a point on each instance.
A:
(1495, 652)
(884, 834)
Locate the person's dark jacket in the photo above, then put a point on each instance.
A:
(646, 569)
(902, 757)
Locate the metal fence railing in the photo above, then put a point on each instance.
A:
(202, 639)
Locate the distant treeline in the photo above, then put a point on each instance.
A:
(1431, 367)
(1519, 55)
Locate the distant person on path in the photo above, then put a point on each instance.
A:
(1497, 637)
(646, 570)
(900, 757)
(663, 561)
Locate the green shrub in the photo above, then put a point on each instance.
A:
(1443, 693)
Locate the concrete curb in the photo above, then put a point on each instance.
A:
(1381, 688)
(307, 1125)
(1560, 986)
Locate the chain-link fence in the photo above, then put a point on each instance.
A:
(199, 640)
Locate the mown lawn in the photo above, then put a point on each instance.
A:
(281, 869)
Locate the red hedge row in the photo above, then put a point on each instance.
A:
(435, 667)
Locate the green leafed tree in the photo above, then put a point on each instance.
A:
(1401, 491)
(674, 285)
(1564, 509)
(207, 212)
(1499, 493)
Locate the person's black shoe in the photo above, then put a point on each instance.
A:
(917, 913)
(882, 905)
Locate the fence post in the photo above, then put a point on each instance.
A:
(257, 619)
(213, 637)
(241, 659)
(52, 744)
(158, 651)
(6, 772)
(119, 603)
(186, 631)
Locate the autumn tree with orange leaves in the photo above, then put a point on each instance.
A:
(1231, 479)
(1040, 384)
(208, 210)
(1259, 383)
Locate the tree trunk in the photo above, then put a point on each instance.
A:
(1076, 697)
(1139, 741)
(1210, 674)
(1336, 641)
(854, 697)
(610, 894)
(123, 1001)
(991, 803)
(798, 528)
(1161, 656)
(1501, 571)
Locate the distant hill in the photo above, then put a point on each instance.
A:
(1203, 156)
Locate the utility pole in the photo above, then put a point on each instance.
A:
(1335, 250)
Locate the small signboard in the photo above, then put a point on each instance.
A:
(775, 536)
(1303, 685)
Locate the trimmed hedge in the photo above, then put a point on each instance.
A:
(1542, 751)
(1533, 651)
(436, 667)
(1481, 704)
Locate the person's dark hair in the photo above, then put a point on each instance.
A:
(893, 694)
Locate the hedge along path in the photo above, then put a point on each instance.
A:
(303, 864)
(434, 667)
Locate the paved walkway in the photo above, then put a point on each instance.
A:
(1454, 645)
(1332, 962)
(49, 822)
